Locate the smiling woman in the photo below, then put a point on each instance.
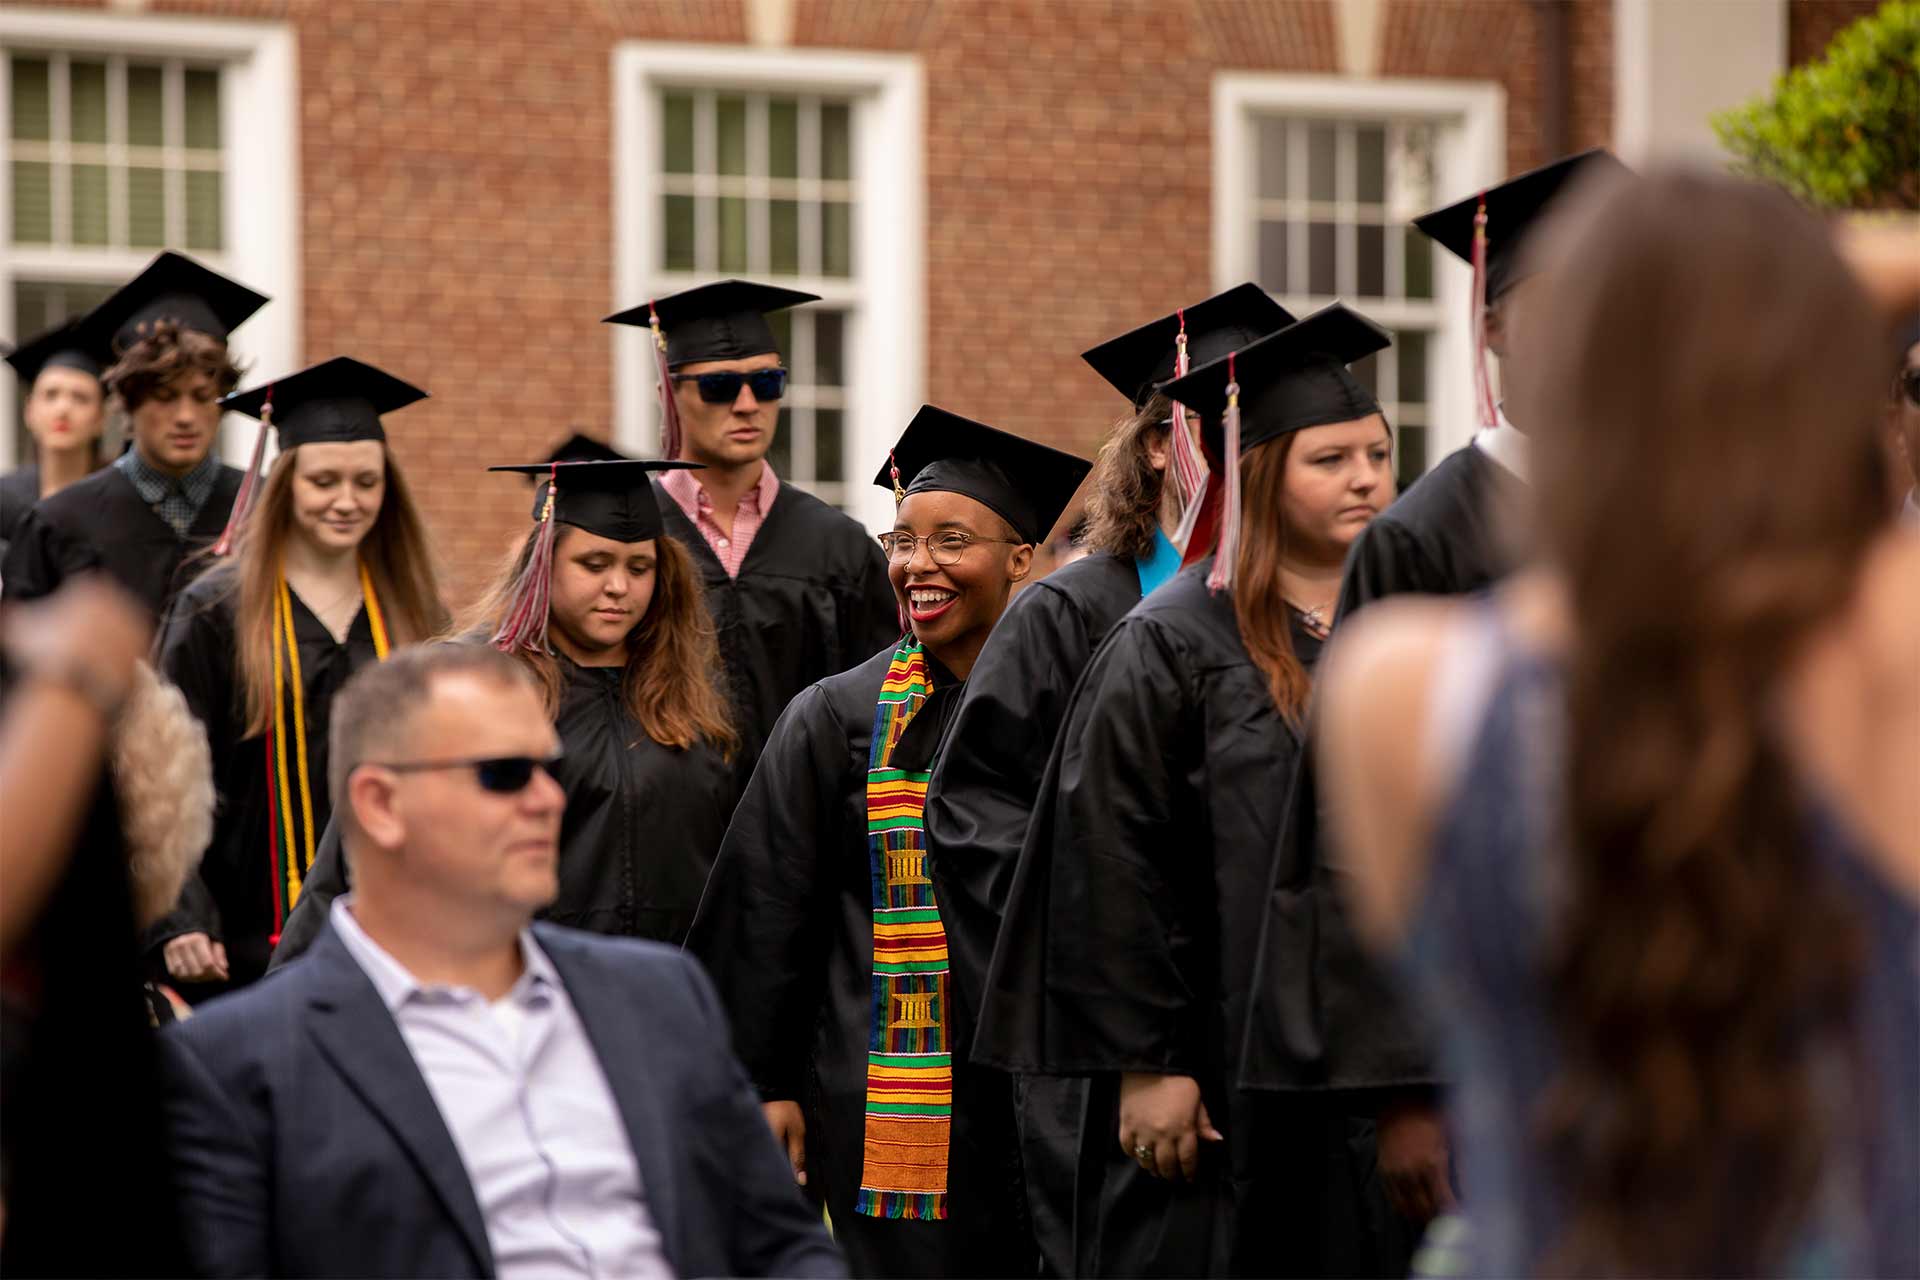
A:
(329, 572)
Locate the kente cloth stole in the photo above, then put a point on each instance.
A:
(290, 827)
(909, 1119)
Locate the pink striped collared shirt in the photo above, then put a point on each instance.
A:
(730, 549)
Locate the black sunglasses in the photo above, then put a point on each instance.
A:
(724, 388)
(502, 775)
(1907, 383)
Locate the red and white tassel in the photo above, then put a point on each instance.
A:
(1482, 383)
(524, 625)
(1221, 575)
(250, 482)
(670, 434)
(1188, 462)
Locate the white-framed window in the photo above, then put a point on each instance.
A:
(791, 167)
(1316, 179)
(127, 134)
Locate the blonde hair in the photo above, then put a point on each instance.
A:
(163, 776)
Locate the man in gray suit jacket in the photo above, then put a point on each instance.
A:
(443, 1088)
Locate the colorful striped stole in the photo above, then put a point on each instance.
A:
(909, 1118)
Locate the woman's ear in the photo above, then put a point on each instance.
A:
(1020, 563)
(1157, 449)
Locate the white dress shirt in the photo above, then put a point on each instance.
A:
(530, 1111)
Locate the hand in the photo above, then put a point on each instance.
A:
(790, 1131)
(89, 623)
(1162, 1124)
(1413, 1160)
(194, 957)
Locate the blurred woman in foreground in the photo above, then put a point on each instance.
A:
(1643, 826)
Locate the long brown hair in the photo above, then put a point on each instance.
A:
(394, 551)
(671, 681)
(1709, 486)
(1123, 501)
(1259, 603)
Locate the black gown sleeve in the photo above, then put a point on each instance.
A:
(761, 930)
(1387, 560)
(981, 797)
(195, 652)
(40, 557)
(874, 620)
(325, 880)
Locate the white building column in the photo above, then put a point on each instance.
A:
(1677, 62)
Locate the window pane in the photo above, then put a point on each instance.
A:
(144, 118)
(1419, 265)
(730, 118)
(87, 101)
(1370, 163)
(1320, 264)
(733, 233)
(1273, 158)
(1272, 272)
(32, 202)
(146, 207)
(1411, 444)
(829, 356)
(676, 132)
(32, 112)
(677, 223)
(1320, 161)
(836, 238)
(1370, 246)
(783, 138)
(203, 109)
(89, 204)
(783, 228)
(203, 210)
(829, 455)
(780, 454)
(836, 140)
(1412, 346)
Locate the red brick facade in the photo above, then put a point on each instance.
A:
(456, 186)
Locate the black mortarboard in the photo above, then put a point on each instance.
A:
(1027, 484)
(1292, 379)
(581, 447)
(332, 402)
(1136, 362)
(73, 345)
(175, 287)
(725, 320)
(613, 499)
(1513, 208)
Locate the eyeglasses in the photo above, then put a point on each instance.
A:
(502, 775)
(724, 388)
(1907, 383)
(944, 548)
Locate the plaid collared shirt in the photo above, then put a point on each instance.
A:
(177, 500)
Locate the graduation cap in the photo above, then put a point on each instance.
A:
(72, 345)
(725, 320)
(581, 447)
(1285, 382)
(1513, 208)
(1136, 362)
(334, 402)
(1025, 483)
(612, 499)
(175, 287)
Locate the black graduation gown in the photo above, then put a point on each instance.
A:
(1443, 537)
(232, 898)
(1129, 944)
(19, 490)
(101, 522)
(978, 805)
(812, 599)
(786, 933)
(638, 837)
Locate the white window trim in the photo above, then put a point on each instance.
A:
(1471, 148)
(260, 196)
(886, 337)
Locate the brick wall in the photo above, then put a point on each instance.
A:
(456, 190)
(1812, 24)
